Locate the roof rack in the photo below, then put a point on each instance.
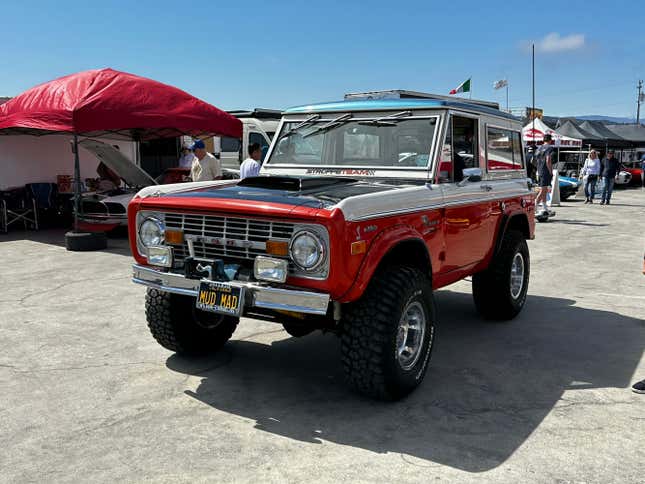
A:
(260, 113)
(404, 94)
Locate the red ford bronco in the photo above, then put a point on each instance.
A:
(362, 209)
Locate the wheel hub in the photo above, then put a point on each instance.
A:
(517, 275)
(410, 335)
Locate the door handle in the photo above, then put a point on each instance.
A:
(486, 187)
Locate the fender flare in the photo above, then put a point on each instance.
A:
(379, 248)
(503, 227)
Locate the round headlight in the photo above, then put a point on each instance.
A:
(306, 250)
(151, 232)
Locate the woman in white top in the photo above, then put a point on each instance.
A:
(590, 172)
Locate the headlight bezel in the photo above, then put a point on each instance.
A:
(142, 217)
(319, 245)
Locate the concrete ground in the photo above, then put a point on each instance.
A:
(86, 395)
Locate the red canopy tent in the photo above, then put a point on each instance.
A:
(113, 104)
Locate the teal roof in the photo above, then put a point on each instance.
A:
(387, 104)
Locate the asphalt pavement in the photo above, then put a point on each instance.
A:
(86, 395)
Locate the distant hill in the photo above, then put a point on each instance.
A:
(610, 119)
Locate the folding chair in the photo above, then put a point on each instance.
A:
(46, 197)
(15, 206)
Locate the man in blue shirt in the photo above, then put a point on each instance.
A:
(610, 168)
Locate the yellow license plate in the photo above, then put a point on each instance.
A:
(220, 297)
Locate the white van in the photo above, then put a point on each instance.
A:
(258, 126)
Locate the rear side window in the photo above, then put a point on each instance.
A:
(230, 144)
(503, 150)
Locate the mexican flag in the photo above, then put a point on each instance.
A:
(463, 87)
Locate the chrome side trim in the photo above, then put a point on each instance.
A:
(258, 295)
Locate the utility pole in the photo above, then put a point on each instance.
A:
(638, 102)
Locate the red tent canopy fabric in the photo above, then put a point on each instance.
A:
(114, 104)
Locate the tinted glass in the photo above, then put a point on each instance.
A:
(230, 144)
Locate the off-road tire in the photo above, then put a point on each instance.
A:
(369, 334)
(492, 287)
(178, 326)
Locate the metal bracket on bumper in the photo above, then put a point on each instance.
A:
(257, 294)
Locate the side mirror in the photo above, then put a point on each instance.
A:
(470, 175)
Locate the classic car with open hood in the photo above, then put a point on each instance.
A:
(362, 209)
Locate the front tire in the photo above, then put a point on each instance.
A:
(388, 335)
(178, 326)
(500, 291)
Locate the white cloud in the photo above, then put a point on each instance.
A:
(554, 42)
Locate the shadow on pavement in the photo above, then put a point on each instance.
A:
(117, 241)
(576, 222)
(489, 386)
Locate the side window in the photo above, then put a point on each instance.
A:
(261, 140)
(230, 144)
(518, 162)
(499, 150)
(460, 149)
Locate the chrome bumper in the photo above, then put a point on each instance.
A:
(256, 294)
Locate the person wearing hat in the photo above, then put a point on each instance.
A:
(205, 166)
(610, 167)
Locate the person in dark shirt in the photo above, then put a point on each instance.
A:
(610, 168)
(545, 156)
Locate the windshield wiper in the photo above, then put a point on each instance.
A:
(332, 124)
(302, 124)
(390, 120)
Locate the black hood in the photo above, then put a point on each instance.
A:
(307, 191)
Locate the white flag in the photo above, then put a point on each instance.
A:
(500, 84)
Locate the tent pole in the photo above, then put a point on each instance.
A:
(77, 184)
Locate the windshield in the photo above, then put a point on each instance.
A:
(399, 140)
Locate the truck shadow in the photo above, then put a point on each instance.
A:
(489, 386)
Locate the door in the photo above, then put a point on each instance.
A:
(467, 207)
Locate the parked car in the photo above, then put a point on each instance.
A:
(568, 186)
(634, 168)
(103, 211)
(363, 208)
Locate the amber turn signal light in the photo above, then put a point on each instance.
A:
(359, 247)
(174, 237)
(277, 247)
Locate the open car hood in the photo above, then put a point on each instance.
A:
(119, 163)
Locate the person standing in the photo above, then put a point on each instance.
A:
(610, 166)
(545, 155)
(251, 166)
(590, 172)
(643, 171)
(186, 158)
(205, 166)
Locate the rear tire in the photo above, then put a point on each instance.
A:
(178, 326)
(388, 335)
(500, 291)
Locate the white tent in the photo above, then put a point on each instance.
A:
(534, 133)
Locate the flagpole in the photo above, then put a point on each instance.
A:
(533, 87)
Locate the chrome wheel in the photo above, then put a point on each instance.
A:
(409, 340)
(517, 275)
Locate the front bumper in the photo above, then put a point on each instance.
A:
(258, 295)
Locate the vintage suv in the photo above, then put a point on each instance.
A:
(363, 209)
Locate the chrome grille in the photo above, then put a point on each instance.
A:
(225, 237)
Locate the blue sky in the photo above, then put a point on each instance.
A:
(276, 54)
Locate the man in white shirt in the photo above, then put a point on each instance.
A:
(205, 166)
(251, 166)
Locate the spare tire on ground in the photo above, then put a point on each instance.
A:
(85, 241)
